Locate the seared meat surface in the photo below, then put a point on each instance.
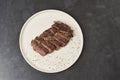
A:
(52, 39)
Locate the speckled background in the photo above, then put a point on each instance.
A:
(100, 23)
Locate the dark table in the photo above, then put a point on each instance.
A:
(100, 23)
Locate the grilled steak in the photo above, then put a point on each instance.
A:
(52, 39)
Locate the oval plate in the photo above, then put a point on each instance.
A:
(58, 60)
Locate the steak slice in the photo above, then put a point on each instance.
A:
(48, 32)
(34, 43)
(52, 39)
(50, 47)
(61, 26)
(39, 48)
(56, 43)
(65, 34)
(53, 30)
(60, 39)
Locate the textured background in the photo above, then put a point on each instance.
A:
(100, 23)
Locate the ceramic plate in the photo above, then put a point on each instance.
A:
(58, 60)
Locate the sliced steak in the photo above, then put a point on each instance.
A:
(52, 39)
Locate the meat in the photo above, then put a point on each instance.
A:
(52, 39)
(39, 48)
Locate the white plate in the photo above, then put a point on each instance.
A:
(58, 60)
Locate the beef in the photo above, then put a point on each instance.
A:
(52, 39)
(56, 43)
(39, 48)
(48, 45)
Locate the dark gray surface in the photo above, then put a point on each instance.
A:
(100, 23)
